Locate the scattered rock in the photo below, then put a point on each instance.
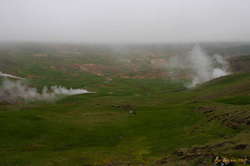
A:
(206, 109)
(241, 146)
(132, 112)
(162, 161)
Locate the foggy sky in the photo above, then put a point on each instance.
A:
(125, 20)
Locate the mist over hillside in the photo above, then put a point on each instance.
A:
(124, 83)
(193, 98)
(189, 64)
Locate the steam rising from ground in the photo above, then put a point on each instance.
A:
(201, 66)
(9, 75)
(14, 91)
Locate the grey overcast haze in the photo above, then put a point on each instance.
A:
(118, 21)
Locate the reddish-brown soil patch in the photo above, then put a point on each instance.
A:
(96, 69)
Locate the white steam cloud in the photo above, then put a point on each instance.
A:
(200, 66)
(14, 91)
(9, 76)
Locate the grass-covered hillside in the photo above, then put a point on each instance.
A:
(129, 121)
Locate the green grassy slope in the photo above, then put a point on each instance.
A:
(172, 125)
(97, 129)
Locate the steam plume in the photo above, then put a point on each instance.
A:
(14, 91)
(206, 67)
(202, 67)
(9, 76)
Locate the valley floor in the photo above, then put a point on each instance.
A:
(131, 122)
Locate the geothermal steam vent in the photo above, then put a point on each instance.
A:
(13, 90)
